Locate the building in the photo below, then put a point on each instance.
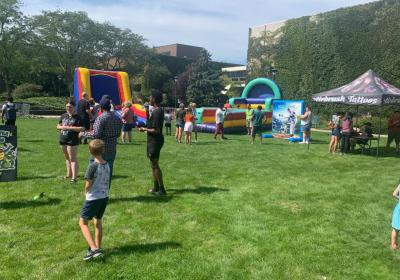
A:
(236, 73)
(260, 30)
(179, 50)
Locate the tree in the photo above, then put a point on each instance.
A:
(68, 39)
(13, 34)
(119, 49)
(205, 84)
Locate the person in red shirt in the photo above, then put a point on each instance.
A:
(394, 131)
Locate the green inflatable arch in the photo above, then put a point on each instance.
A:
(263, 81)
(277, 93)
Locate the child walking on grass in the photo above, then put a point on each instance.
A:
(96, 190)
(396, 220)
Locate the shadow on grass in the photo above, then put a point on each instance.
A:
(135, 143)
(205, 143)
(198, 190)
(24, 150)
(319, 142)
(20, 204)
(33, 141)
(120, 176)
(142, 198)
(372, 153)
(144, 248)
(34, 177)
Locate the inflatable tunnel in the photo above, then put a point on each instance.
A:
(260, 91)
(97, 83)
(115, 84)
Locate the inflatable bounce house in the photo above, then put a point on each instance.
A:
(115, 84)
(260, 91)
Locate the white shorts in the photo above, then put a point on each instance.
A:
(188, 127)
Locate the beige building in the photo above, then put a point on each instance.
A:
(258, 31)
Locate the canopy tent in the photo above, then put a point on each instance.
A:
(368, 89)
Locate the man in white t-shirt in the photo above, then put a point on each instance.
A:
(219, 122)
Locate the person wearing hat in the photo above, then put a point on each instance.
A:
(107, 127)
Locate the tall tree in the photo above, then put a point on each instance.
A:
(69, 39)
(205, 84)
(120, 49)
(13, 33)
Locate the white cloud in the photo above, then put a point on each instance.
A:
(219, 26)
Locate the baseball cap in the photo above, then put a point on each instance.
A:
(105, 104)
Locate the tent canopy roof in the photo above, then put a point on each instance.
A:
(368, 89)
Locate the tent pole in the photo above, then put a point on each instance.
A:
(379, 132)
(357, 116)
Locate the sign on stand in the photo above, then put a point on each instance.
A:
(8, 153)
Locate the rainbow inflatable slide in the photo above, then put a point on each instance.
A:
(115, 84)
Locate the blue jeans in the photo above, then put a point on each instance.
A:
(110, 161)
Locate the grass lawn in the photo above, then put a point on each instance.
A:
(233, 211)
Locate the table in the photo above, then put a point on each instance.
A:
(369, 141)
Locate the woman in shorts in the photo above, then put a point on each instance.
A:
(70, 126)
(335, 125)
(189, 123)
(180, 118)
(127, 118)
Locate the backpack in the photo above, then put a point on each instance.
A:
(11, 112)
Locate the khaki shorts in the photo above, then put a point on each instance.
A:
(249, 124)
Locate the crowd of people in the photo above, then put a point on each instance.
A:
(97, 124)
(346, 135)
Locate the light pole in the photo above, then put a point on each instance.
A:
(274, 72)
(175, 89)
(59, 77)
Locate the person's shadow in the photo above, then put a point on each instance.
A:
(142, 198)
(143, 248)
(198, 190)
(19, 204)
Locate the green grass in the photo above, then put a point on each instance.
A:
(234, 211)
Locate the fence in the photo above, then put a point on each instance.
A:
(23, 109)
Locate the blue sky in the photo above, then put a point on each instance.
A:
(220, 26)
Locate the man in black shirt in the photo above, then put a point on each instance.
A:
(155, 140)
(84, 112)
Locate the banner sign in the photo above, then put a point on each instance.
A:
(8, 153)
(284, 114)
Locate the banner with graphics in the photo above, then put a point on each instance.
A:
(285, 117)
(8, 153)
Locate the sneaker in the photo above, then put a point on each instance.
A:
(302, 142)
(92, 254)
(152, 190)
(159, 193)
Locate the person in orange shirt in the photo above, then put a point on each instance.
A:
(189, 124)
(394, 131)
